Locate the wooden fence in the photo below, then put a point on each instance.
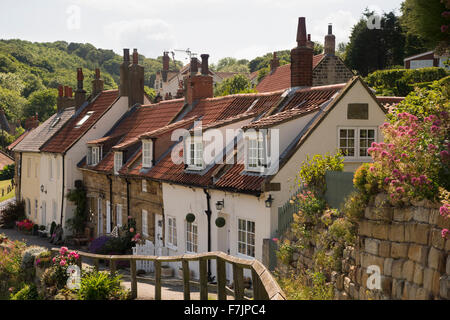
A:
(265, 287)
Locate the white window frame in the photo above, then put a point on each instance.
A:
(194, 153)
(29, 207)
(191, 237)
(108, 217)
(84, 119)
(50, 168)
(118, 161)
(144, 223)
(172, 233)
(256, 152)
(36, 208)
(144, 185)
(147, 153)
(89, 156)
(99, 217)
(119, 215)
(246, 243)
(96, 155)
(54, 217)
(356, 146)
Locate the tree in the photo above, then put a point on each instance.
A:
(318, 48)
(12, 103)
(340, 50)
(428, 20)
(43, 102)
(229, 64)
(237, 84)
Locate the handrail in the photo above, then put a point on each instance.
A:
(265, 287)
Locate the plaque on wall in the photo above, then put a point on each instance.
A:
(358, 111)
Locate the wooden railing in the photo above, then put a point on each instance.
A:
(265, 287)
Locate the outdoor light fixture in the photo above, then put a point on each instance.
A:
(269, 201)
(220, 204)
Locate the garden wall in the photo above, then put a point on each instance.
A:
(407, 246)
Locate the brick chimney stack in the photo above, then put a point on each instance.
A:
(136, 81)
(330, 41)
(198, 86)
(301, 58)
(310, 43)
(165, 69)
(97, 83)
(60, 99)
(124, 74)
(80, 93)
(274, 63)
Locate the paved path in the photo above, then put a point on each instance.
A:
(172, 289)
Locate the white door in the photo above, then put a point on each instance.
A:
(44, 214)
(223, 242)
(158, 234)
(108, 217)
(100, 217)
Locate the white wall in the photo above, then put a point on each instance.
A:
(193, 200)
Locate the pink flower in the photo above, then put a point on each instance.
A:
(444, 233)
(63, 250)
(62, 262)
(131, 230)
(275, 239)
(444, 28)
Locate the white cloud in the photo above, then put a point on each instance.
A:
(149, 36)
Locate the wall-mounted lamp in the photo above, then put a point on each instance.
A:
(269, 201)
(220, 204)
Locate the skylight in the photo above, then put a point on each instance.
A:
(55, 122)
(84, 119)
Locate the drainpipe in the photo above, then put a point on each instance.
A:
(128, 197)
(208, 215)
(20, 177)
(62, 193)
(110, 203)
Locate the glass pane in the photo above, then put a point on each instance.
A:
(371, 133)
(343, 133)
(351, 143)
(351, 133)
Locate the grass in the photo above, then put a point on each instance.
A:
(4, 185)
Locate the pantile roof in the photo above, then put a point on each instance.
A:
(71, 132)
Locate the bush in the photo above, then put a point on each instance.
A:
(10, 272)
(13, 212)
(296, 288)
(354, 206)
(29, 255)
(28, 292)
(97, 285)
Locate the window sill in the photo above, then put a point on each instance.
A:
(172, 247)
(244, 256)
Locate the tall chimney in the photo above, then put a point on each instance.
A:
(60, 99)
(205, 66)
(80, 94)
(194, 66)
(136, 81)
(165, 69)
(97, 83)
(301, 58)
(198, 86)
(124, 74)
(274, 63)
(330, 41)
(310, 43)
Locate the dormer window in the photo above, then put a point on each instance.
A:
(194, 154)
(147, 153)
(256, 153)
(94, 155)
(118, 161)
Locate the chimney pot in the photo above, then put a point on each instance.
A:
(97, 73)
(330, 41)
(124, 74)
(274, 63)
(70, 92)
(126, 54)
(60, 91)
(301, 32)
(330, 28)
(194, 66)
(66, 91)
(205, 66)
(135, 56)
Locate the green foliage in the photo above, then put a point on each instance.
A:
(8, 172)
(424, 102)
(229, 64)
(43, 102)
(237, 84)
(364, 181)
(97, 285)
(28, 292)
(12, 103)
(10, 271)
(150, 92)
(400, 82)
(424, 19)
(264, 61)
(312, 171)
(29, 255)
(78, 197)
(285, 252)
(296, 287)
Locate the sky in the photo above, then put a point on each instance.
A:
(242, 29)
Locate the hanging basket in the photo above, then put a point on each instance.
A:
(220, 222)
(190, 217)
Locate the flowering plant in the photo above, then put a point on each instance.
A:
(61, 262)
(25, 225)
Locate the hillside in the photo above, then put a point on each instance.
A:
(30, 72)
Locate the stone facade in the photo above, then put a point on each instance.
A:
(98, 186)
(330, 70)
(407, 247)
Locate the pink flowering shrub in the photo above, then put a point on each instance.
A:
(413, 162)
(61, 262)
(25, 225)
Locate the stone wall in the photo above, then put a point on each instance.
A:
(331, 70)
(404, 243)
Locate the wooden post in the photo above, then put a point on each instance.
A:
(133, 279)
(256, 286)
(238, 278)
(221, 279)
(186, 276)
(80, 262)
(96, 264)
(203, 280)
(157, 280)
(112, 266)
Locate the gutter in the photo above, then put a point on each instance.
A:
(208, 214)
(110, 202)
(62, 193)
(19, 172)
